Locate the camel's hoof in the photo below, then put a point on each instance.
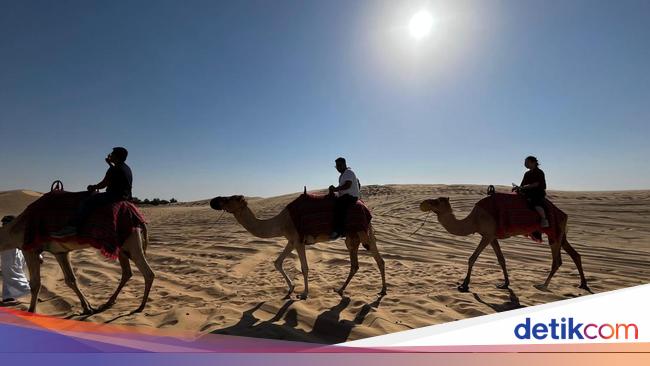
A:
(303, 296)
(339, 291)
(584, 286)
(89, 311)
(382, 292)
(503, 285)
(138, 310)
(541, 287)
(463, 288)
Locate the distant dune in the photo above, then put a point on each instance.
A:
(14, 202)
(216, 277)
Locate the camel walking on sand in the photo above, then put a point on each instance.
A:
(134, 248)
(282, 226)
(482, 222)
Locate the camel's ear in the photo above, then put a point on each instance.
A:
(446, 199)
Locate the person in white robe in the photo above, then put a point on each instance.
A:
(12, 264)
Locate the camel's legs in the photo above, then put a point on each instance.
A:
(34, 267)
(300, 248)
(557, 260)
(71, 280)
(279, 266)
(577, 260)
(502, 262)
(353, 249)
(133, 246)
(126, 275)
(371, 242)
(464, 287)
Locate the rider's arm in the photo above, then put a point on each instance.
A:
(104, 183)
(531, 185)
(344, 186)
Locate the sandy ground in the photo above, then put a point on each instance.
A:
(215, 277)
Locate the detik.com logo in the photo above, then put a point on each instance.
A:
(568, 328)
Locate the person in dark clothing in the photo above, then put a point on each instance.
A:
(117, 181)
(348, 192)
(533, 187)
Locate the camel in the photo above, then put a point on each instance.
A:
(134, 248)
(282, 226)
(481, 222)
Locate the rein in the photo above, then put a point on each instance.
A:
(421, 225)
(219, 218)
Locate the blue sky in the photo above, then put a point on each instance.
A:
(260, 97)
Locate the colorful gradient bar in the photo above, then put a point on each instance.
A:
(33, 338)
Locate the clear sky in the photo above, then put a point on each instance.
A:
(259, 97)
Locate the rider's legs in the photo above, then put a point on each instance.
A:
(341, 207)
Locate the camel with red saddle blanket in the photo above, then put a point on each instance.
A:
(305, 221)
(501, 216)
(118, 230)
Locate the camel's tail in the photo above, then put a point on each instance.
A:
(145, 238)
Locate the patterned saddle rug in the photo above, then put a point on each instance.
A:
(514, 216)
(313, 215)
(106, 228)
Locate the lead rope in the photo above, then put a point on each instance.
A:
(421, 225)
(219, 218)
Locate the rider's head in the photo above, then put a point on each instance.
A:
(341, 165)
(118, 155)
(531, 162)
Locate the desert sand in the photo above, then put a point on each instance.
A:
(214, 277)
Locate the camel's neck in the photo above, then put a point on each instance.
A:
(454, 226)
(270, 228)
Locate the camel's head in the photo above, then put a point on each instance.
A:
(438, 205)
(230, 204)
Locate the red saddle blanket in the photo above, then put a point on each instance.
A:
(314, 215)
(514, 216)
(106, 228)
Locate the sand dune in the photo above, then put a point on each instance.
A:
(215, 277)
(13, 202)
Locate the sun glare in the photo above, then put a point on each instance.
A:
(420, 24)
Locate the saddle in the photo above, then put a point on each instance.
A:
(313, 215)
(513, 215)
(106, 228)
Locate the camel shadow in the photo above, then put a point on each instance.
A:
(328, 327)
(511, 304)
(132, 312)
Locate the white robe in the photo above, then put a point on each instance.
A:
(14, 282)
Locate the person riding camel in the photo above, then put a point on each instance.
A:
(348, 192)
(118, 182)
(533, 188)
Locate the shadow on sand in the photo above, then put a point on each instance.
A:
(328, 328)
(511, 304)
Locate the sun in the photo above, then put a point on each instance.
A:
(420, 24)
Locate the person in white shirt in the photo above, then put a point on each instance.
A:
(14, 281)
(348, 192)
